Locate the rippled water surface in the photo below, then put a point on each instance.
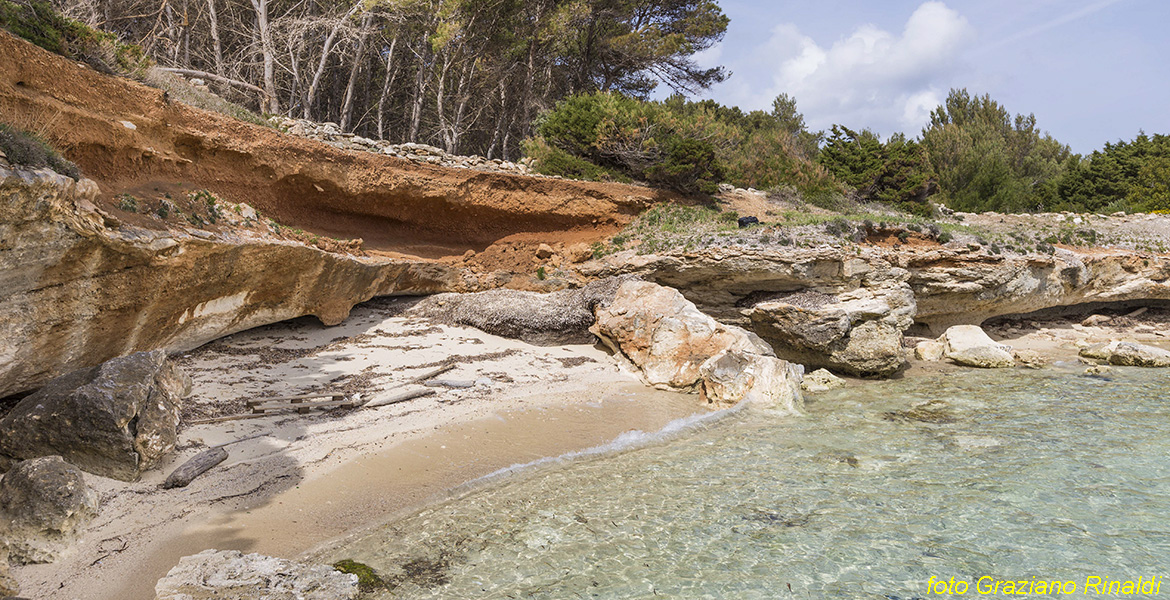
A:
(1011, 474)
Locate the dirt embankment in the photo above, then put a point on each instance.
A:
(130, 137)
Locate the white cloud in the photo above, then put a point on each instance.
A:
(871, 78)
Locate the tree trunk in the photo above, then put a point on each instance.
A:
(311, 95)
(391, 74)
(347, 103)
(217, 46)
(269, 56)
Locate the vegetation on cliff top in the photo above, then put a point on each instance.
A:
(29, 150)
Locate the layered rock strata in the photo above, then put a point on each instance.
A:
(78, 288)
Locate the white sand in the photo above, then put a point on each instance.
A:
(317, 476)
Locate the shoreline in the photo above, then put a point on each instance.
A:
(318, 479)
(336, 466)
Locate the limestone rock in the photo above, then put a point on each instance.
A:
(859, 331)
(968, 345)
(733, 376)
(1095, 320)
(554, 318)
(665, 335)
(233, 575)
(579, 253)
(1128, 354)
(930, 350)
(43, 504)
(1029, 358)
(821, 380)
(544, 252)
(114, 420)
(9, 586)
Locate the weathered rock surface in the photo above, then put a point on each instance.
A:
(821, 380)
(676, 346)
(233, 575)
(44, 502)
(859, 331)
(9, 586)
(561, 317)
(946, 286)
(76, 290)
(1128, 354)
(968, 345)
(115, 420)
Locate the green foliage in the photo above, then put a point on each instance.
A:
(986, 160)
(368, 578)
(554, 161)
(37, 22)
(895, 172)
(128, 203)
(687, 146)
(28, 150)
(1126, 175)
(540, 274)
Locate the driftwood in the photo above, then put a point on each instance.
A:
(450, 383)
(198, 465)
(403, 397)
(431, 374)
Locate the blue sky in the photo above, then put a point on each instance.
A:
(1091, 70)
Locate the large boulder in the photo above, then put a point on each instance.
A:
(821, 380)
(114, 420)
(733, 376)
(858, 332)
(1128, 354)
(545, 319)
(233, 575)
(44, 502)
(675, 346)
(970, 346)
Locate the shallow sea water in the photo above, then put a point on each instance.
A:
(1014, 474)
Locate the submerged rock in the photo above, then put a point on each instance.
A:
(230, 574)
(1128, 354)
(970, 346)
(44, 502)
(821, 380)
(115, 420)
(676, 346)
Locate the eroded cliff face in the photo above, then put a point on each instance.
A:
(847, 309)
(77, 287)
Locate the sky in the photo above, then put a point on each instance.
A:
(1092, 71)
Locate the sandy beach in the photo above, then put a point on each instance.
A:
(313, 477)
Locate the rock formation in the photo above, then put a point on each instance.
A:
(114, 420)
(675, 346)
(44, 502)
(969, 345)
(821, 380)
(1128, 354)
(220, 574)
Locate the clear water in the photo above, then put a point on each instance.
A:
(1008, 474)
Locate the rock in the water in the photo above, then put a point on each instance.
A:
(43, 504)
(1128, 354)
(858, 332)
(232, 575)
(114, 420)
(732, 376)
(665, 336)
(970, 346)
(821, 380)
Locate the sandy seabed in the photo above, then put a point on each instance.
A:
(312, 478)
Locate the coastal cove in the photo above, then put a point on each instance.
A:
(874, 492)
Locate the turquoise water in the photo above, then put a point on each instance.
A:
(1020, 475)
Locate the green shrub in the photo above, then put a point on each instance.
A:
(128, 203)
(37, 22)
(28, 150)
(554, 161)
